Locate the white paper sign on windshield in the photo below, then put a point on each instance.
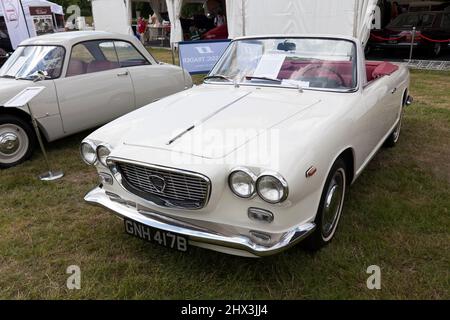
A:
(269, 66)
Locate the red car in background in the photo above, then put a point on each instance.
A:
(217, 33)
(432, 32)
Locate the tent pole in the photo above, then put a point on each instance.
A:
(173, 55)
(356, 13)
(243, 18)
(25, 17)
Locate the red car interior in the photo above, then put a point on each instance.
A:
(374, 69)
(77, 67)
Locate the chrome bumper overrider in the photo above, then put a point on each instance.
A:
(196, 233)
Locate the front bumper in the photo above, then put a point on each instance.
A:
(210, 236)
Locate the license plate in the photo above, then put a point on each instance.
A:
(392, 41)
(154, 235)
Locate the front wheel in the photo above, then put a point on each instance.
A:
(330, 207)
(392, 140)
(435, 50)
(17, 141)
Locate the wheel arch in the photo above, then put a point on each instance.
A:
(405, 96)
(348, 156)
(25, 116)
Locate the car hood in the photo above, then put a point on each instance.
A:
(210, 122)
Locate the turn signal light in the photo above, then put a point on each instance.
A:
(260, 215)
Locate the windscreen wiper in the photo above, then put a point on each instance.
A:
(263, 78)
(218, 76)
(22, 78)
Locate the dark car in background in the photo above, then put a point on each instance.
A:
(432, 32)
(5, 43)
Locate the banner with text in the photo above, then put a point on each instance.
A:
(15, 21)
(42, 20)
(198, 57)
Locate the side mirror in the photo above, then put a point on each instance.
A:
(40, 76)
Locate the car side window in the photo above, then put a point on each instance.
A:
(92, 56)
(128, 55)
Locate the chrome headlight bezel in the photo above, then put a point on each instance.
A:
(278, 179)
(102, 158)
(252, 182)
(93, 148)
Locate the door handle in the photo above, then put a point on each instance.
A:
(394, 90)
(123, 74)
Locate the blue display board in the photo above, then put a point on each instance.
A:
(199, 57)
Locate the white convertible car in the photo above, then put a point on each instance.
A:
(90, 78)
(257, 158)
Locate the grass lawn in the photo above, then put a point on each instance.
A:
(397, 216)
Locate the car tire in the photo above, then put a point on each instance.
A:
(330, 207)
(393, 138)
(17, 141)
(435, 50)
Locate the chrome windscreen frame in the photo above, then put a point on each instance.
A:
(111, 161)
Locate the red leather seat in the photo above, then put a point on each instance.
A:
(343, 68)
(384, 69)
(75, 68)
(97, 66)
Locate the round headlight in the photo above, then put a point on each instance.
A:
(102, 154)
(242, 183)
(272, 188)
(88, 153)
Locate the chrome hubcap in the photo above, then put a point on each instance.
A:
(13, 143)
(333, 203)
(9, 143)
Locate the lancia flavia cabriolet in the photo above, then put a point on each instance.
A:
(257, 158)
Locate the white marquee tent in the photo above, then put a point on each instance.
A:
(26, 28)
(253, 17)
(115, 15)
(343, 17)
(56, 8)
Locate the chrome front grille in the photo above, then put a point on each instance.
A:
(165, 186)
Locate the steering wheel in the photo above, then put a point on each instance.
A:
(313, 67)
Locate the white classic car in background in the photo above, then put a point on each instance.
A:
(172, 174)
(91, 78)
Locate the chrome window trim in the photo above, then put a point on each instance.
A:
(111, 161)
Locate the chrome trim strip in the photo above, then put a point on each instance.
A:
(118, 176)
(195, 233)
